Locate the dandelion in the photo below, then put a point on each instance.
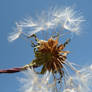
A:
(65, 19)
(50, 55)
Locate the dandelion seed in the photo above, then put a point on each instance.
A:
(80, 82)
(65, 19)
(34, 83)
(72, 22)
(90, 66)
(13, 36)
(69, 90)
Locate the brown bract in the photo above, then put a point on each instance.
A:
(50, 55)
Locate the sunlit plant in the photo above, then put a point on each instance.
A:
(49, 52)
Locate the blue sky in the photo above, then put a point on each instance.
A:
(20, 53)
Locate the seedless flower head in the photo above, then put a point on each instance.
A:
(52, 21)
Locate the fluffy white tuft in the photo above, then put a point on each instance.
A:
(16, 34)
(64, 19)
(80, 82)
(35, 83)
